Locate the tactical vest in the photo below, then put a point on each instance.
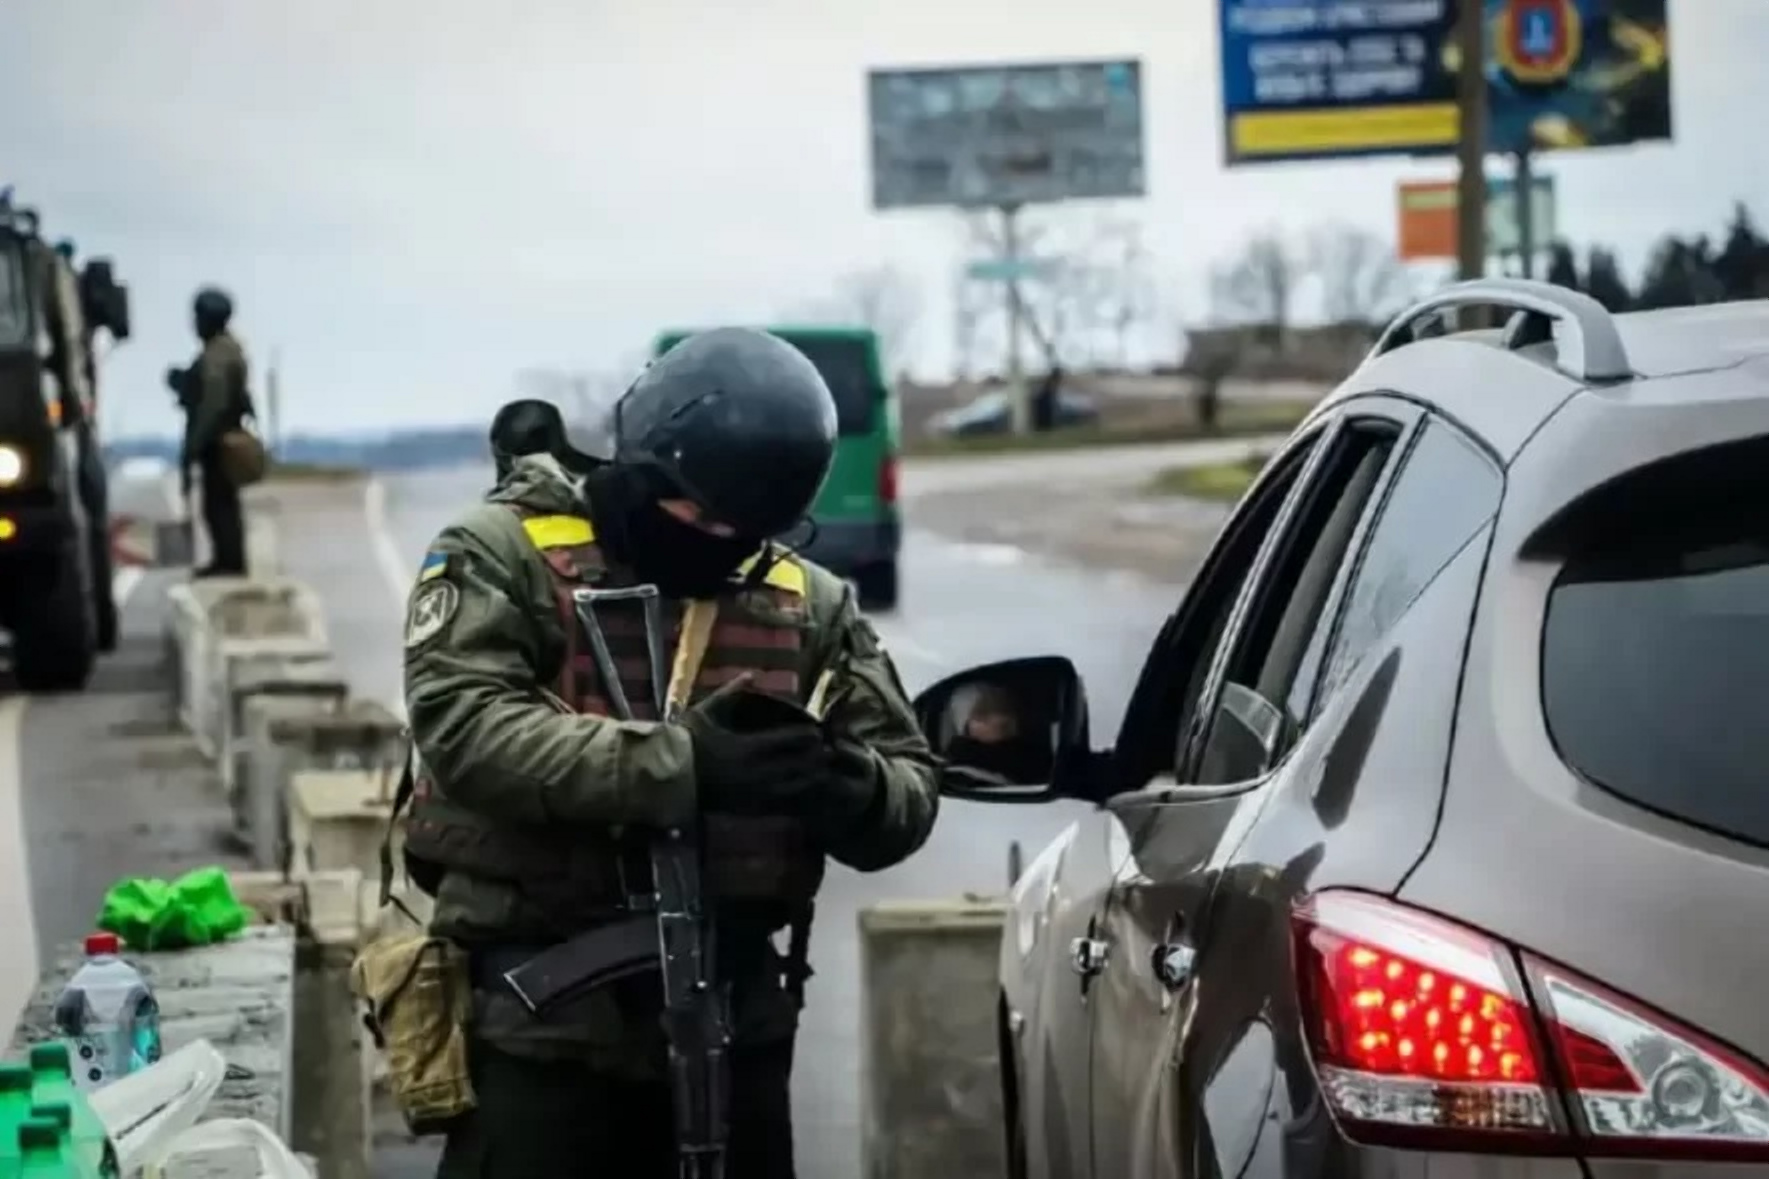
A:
(579, 876)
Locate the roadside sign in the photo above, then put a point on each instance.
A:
(1010, 269)
(1426, 218)
(1327, 79)
(1005, 135)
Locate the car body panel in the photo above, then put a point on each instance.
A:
(1605, 861)
(1044, 992)
(1427, 774)
(1493, 395)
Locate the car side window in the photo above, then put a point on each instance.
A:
(1251, 727)
(1441, 499)
(1161, 709)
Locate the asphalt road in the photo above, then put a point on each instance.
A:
(94, 786)
(98, 786)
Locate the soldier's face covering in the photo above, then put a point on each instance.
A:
(682, 560)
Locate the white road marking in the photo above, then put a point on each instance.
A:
(395, 573)
(18, 975)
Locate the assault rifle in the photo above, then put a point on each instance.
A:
(670, 932)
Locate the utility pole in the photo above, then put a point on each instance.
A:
(1471, 101)
(1016, 369)
(273, 404)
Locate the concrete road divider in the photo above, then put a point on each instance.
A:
(240, 996)
(930, 1079)
(285, 735)
(338, 820)
(217, 621)
(314, 679)
(331, 1062)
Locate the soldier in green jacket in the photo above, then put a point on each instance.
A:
(214, 395)
(533, 801)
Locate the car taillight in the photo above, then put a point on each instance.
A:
(1424, 1035)
(887, 479)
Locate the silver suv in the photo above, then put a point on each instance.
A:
(1436, 838)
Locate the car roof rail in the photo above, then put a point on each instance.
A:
(1591, 351)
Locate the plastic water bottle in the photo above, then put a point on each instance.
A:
(108, 1016)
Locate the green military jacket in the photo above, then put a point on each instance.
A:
(476, 675)
(215, 395)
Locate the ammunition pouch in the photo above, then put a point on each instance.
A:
(416, 992)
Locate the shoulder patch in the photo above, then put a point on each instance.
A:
(432, 608)
(435, 565)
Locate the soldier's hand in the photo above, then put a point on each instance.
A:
(754, 752)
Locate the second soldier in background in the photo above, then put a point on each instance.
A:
(216, 399)
(530, 824)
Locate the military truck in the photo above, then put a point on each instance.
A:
(56, 600)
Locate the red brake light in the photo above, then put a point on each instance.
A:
(1424, 1034)
(887, 479)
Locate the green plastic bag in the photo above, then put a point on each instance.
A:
(197, 909)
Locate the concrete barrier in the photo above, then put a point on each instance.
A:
(313, 678)
(240, 996)
(331, 1066)
(285, 735)
(930, 1079)
(219, 622)
(338, 820)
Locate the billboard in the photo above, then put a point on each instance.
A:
(1005, 135)
(1323, 79)
(1426, 218)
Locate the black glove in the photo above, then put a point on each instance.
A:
(848, 793)
(755, 753)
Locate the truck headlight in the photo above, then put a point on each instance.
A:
(12, 466)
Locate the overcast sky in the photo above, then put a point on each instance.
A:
(411, 201)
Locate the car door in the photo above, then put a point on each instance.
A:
(1235, 734)
(1157, 718)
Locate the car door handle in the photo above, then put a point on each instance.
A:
(1172, 963)
(1087, 956)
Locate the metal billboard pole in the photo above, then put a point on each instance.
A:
(1471, 101)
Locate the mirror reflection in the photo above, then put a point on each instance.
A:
(1008, 735)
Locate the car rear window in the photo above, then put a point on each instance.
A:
(845, 366)
(1656, 666)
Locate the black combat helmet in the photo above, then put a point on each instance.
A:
(212, 305)
(526, 426)
(736, 420)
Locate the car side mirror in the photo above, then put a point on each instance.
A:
(1005, 730)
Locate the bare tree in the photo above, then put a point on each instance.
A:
(1125, 285)
(1258, 288)
(884, 299)
(1361, 280)
(583, 396)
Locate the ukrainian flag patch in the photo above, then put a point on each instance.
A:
(434, 566)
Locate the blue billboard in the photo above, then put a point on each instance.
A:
(1323, 79)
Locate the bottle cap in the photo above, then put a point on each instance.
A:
(51, 1057)
(59, 1112)
(14, 1076)
(102, 943)
(37, 1132)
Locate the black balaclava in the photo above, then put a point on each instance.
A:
(681, 560)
